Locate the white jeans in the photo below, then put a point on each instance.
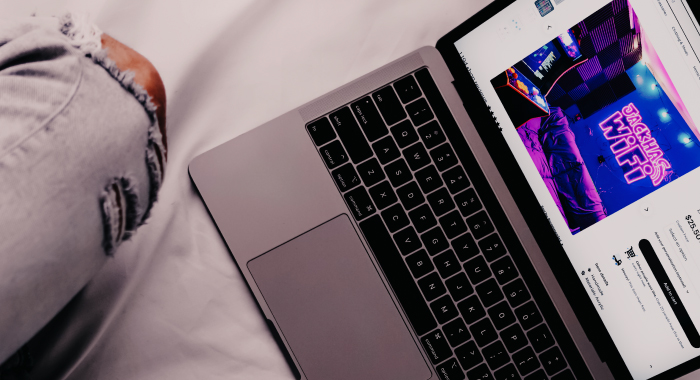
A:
(79, 170)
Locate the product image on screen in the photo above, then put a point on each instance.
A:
(600, 117)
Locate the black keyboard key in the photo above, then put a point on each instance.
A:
(436, 346)
(389, 105)
(489, 292)
(565, 375)
(359, 203)
(428, 179)
(419, 263)
(346, 178)
(398, 172)
(465, 247)
(526, 361)
(431, 286)
(453, 224)
(450, 370)
(407, 240)
(410, 195)
(471, 309)
(395, 218)
(431, 134)
(419, 112)
(507, 373)
(444, 157)
(516, 293)
(480, 224)
(422, 218)
(459, 286)
(369, 119)
(441, 202)
(416, 156)
(383, 195)
(455, 179)
(514, 338)
(443, 115)
(537, 375)
(408, 89)
(528, 315)
(435, 241)
(553, 361)
(456, 332)
(334, 155)
(371, 172)
(495, 355)
(540, 338)
(504, 270)
(321, 131)
(350, 134)
(483, 332)
(468, 355)
(396, 272)
(447, 264)
(404, 133)
(477, 269)
(501, 315)
(468, 202)
(444, 309)
(386, 150)
(481, 372)
(492, 247)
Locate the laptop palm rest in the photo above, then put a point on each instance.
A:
(333, 309)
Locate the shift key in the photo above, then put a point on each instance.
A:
(351, 135)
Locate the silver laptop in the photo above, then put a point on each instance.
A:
(517, 202)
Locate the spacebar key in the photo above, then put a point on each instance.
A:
(398, 275)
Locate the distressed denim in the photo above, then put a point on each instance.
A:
(79, 164)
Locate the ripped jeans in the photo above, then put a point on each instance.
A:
(80, 167)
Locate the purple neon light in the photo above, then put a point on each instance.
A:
(627, 44)
(637, 153)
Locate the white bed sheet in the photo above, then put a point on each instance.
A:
(172, 304)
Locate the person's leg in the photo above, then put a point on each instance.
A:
(81, 161)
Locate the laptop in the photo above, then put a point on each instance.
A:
(517, 202)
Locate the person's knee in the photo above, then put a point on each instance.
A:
(145, 74)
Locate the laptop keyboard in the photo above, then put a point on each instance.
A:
(433, 239)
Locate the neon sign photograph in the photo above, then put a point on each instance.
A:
(599, 118)
(637, 153)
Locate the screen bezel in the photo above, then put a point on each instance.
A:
(529, 206)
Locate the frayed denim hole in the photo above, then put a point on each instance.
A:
(113, 216)
(154, 162)
(131, 206)
(120, 212)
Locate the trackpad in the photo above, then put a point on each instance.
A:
(333, 309)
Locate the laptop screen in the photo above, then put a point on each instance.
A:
(599, 103)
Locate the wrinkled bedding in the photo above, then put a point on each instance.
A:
(171, 304)
(552, 146)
